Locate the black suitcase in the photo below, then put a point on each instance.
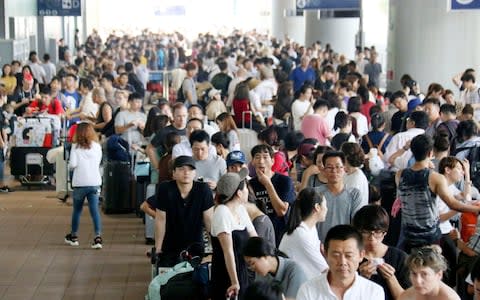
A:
(117, 177)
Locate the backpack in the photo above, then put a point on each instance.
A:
(452, 135)
(180, 94)
(473, 157)
(379, 146)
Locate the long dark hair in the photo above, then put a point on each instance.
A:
(303, 207)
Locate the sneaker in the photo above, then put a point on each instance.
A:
(71, 240)
(5, 189)
(97, 243)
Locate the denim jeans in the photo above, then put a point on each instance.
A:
(79, 195)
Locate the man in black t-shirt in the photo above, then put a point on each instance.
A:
(183, 207)
(275, 190)
(400, 101)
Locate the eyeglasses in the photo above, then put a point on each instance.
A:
(333, 168)
(375, 233)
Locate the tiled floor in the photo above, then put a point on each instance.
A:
(36, 264)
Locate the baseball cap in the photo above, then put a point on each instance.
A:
(306, 149)
(184, 161)
(213, 92)
(412, 104)
(236, 157)
(228, 183)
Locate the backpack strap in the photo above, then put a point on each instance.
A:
(380, 146)
(369, 141)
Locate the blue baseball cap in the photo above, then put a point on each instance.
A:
(236, 157)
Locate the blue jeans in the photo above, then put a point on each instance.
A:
(79, 195)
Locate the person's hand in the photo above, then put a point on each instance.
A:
(312, 170)
(454, 234)
(387, 271)
(262, 177)
(367, 269)
(211, 184)
(233, 290)
(132, 124)
(25, 100)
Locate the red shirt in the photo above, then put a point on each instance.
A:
(365, 110)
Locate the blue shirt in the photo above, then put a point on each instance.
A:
(298, 76)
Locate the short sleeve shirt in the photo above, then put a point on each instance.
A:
(184, 216)
(284, 187)
(224, 221)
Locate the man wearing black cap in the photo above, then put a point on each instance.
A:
(183, 209)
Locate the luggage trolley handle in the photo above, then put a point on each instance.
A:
(243, 118)
(166, 83)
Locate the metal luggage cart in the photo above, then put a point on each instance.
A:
(33, 160)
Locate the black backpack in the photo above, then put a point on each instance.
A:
(180, 94)
(473, 157)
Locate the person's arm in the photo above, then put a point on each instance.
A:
(147, 209)
(312, 170)
(280, 206)
(73, 162)
(226, 243)
(207, 219)
(400, 152)
(457, 79)
(439, 186)
(106, 115)
(152, 155)
(388, 273)
(160, 224)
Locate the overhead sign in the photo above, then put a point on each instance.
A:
(168, 11)
(59, 8)
(329, 4)
(463, 4)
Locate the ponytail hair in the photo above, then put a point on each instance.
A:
(303, 207)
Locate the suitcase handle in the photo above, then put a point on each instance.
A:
(243, 118)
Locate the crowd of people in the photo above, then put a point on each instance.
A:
(304, 212)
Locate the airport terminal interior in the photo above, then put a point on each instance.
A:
(207, 123)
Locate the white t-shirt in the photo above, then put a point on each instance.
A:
(85, 164)
(362, 123)
(299, 109)
(358, 180)
(446, 226)
(132, 135)
(224, 221)
(303, 246)
(361, 289)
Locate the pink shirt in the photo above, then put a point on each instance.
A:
(314, 126)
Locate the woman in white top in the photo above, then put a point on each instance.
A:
(85, 158)
(354, 176)
(354, 105)
(231, 228)
(301, 242)
(227, 125)
(302, 106)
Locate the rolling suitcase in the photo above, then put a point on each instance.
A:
(116, 188)
(248, 137)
